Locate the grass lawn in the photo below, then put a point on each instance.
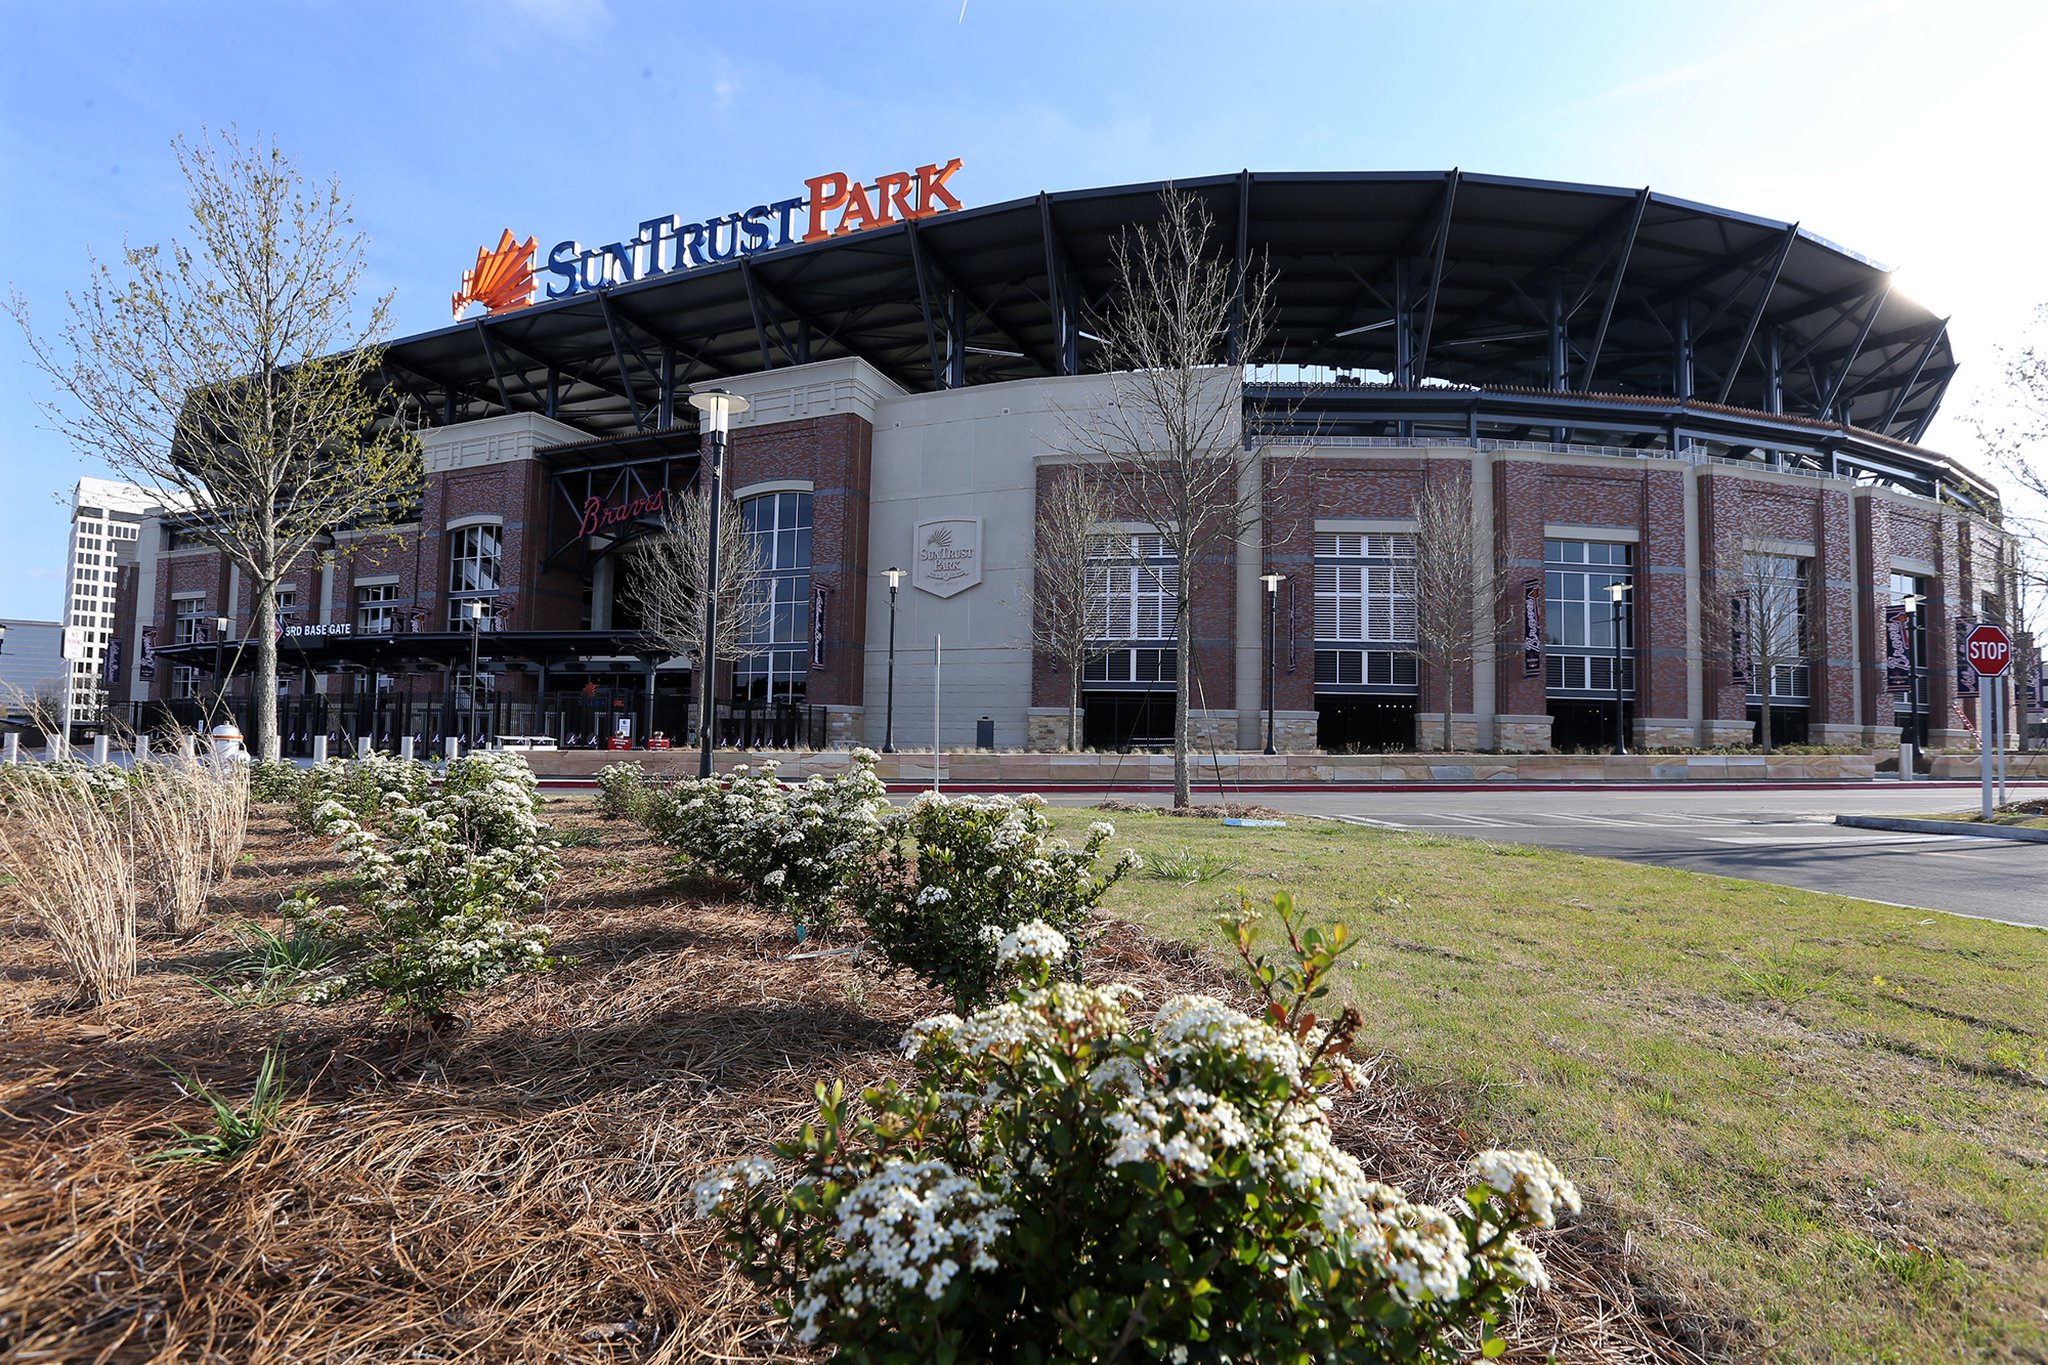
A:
(1822, 1121)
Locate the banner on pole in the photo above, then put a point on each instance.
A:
(145, 655)
(113, 669)
(818, 626)
(1532, 627)
(1966, 676)
(1741, 666)
(1898, 650)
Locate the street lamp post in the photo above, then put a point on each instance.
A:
(1618, 593)
(1272, 582)
(474, 610)
(715, 408)
(1911, 602)
(221, 626)
(895, 577)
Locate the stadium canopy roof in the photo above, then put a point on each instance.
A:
(1413, 279)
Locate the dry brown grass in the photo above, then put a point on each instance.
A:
(72, 865)
(518, 1190)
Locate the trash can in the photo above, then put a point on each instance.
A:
(984, 733)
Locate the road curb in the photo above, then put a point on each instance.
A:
(2025, 836)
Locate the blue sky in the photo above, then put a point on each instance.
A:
(1907, 131)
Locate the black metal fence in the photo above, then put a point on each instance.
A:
(571, 720)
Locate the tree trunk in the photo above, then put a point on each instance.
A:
(1074, 710)
(264, 743)
(1763, 712)
(1183, 669)
(1450, 699)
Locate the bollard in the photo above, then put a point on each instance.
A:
(188, 748)
(1907, 761)
(141, 750)
(362, 746)
(319, 750)
(405, 748)
(10, 748)
(453, 747)
(101, 748)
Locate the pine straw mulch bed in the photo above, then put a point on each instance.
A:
(518, 1190)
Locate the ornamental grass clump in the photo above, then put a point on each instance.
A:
(71, 858)
(961, 872)
(449, 893)
(798, 848)
(1063, 1182)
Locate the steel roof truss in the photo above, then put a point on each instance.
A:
(1756, 314)
(1827, 406)
(1627, 242)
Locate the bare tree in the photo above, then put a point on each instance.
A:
(1756, 618)
(1168, 441)
(1065, 598)
(2012, 422)
(663, 579)
(236, 378)
(1456, 587)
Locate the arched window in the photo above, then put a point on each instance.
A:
(775, 656)
(475, 562)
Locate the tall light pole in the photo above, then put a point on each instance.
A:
(474, 609)
(221, 626)
(1272, 582)
(1618, 593)
(1911, 602)
(895, 577)
(715, 409)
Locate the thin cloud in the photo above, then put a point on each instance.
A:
(1692, 73)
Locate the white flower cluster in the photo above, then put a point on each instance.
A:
(910, 1227)
(1036, 944)
(448, 893)
(366, 789)
(746, 1173)
(794, 846)
(1530, 1186)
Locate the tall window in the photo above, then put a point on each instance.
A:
(1916, 635)
(377, 609)
(1777, 587)
(1580, 621)
(188, 617)
(1133, 606)
(1365, 611)
(775, 656)
(475, 558)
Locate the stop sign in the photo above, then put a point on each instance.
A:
(1989, 650)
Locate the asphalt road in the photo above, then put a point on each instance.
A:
(1785, 837)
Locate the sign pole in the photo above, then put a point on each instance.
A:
(936, 645)
(1984, 713)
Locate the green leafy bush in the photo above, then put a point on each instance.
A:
(447, 897)
(274, 779)
(1062, 1182)
(625, 792)
(961, 872)
(347, 791)
(797, 847)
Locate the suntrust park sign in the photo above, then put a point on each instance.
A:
(832, 205)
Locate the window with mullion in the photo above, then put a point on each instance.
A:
(775, 651)
(475, 561)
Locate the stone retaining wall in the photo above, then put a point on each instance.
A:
(1234, 769)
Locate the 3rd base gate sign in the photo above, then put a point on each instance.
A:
(1989, 650)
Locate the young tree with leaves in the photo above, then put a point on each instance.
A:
(237, 377)
(1168, 441)
(1065, 604)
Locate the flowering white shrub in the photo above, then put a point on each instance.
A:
(625, 792)
(105, 784)
(961, 872)
(448, 893)
(360, 790)
(274, 779)
(796, 847)
(1061, 1182)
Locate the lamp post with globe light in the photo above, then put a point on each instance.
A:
(716, 409)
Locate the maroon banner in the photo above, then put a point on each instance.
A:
(1898, 649)
(145, 655)
(1966, 676)
(818, 626)
(1741, 661)
(1532, 627)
